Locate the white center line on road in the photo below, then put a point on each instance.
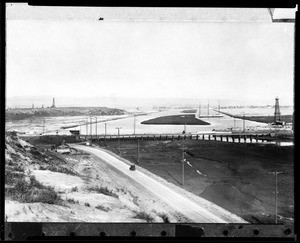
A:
(175, 200)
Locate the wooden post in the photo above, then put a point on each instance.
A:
(197, 137)
(208, 137)
(138, 151)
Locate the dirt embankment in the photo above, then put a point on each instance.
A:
(234, 176)
(19, 114)
(44, 186)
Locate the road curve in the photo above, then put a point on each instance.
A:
(190, 209)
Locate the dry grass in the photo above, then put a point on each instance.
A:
(103, 190)
(102, 208)
(32, 192)
(57, 168)
(164, 217)
(72, 200)
(145, 216)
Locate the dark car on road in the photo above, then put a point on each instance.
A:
(132, 167)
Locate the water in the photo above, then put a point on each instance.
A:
(127, 125)
(52, 125)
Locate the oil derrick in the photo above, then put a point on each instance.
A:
(53, 103)
(277, 111)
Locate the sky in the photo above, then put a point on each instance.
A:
(84, 60)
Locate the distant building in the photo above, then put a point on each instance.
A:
(63, 149)
(76, 133)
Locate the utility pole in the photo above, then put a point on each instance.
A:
(96, 127)
(87, 126)
(91, 127)
(199, 109)
(183, 161)
(208, 108)
(233, 122)
(138, 151)
(276, 191)
(105, 130)
(244, 122)
(44, 127)
(119, 144)
(134, 120)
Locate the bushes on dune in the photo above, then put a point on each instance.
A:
(31, 192)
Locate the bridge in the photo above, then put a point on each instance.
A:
(224, 137)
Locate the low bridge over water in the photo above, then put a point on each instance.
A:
(225, 137)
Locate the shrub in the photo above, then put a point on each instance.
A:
(10, 163)
(103, 190)
(44, 196)
(32, 192)
(164, 217)
(74, 189)
(61, 169)
(71, 200)
(100, 207)
(18, 168)
(144, 215)
(9, 177)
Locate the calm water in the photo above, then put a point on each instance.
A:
(224, 122)
(51, 125)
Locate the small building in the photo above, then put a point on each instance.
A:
(63, 149)
(76, 133)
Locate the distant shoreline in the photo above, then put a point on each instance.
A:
(20, 114)
(263, 119)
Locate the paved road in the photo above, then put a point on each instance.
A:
(177, 201)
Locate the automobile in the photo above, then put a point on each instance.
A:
(132, 167)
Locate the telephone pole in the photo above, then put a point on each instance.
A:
(96, 127)
(276, 191)
(134, 121)
(138, 151)
(105, 129)
(199, 109)
(119, 144)
(208, 108)
(87, 126)
(91, 127)
(183, 161)
(244, 122)
(44, 126)
(233, 122)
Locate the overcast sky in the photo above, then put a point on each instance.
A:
(69, 58)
